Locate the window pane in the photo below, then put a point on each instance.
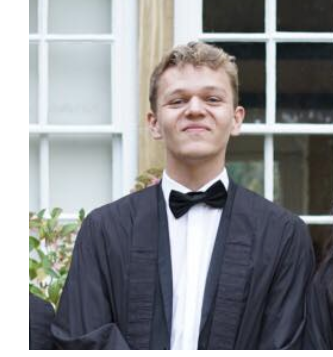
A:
(80, 16)
(305, 15)
(304, 173)
(80, 172)
(251, 64)
(245, 162)
(305, 83)
(34, 174)
(33, 83)
(233, 15)
(80, 83)
(33, 16)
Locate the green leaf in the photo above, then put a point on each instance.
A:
(54, 291)
(52, 273)
(56, 212)
(40, 214)
(46, 263)
(51, 224)
(33, 243)
(42, 232)
(37, 291)
(33, 268)
(32, 274)
(68, 229)
(34, 224)
(33, 264)
(82, 214)
(41, 254)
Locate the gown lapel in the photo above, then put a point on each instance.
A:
(164, 260)
(150, 265)
(232, 265)
(142, 270)
(215, 264)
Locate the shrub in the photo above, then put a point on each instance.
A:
(50, 250)
(150, 177)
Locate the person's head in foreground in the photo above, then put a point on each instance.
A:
(194, 106)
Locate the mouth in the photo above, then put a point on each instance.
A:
(195, 128)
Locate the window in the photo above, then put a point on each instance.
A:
(83, 105)
(286, 85)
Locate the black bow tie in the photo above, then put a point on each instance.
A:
(180, 203)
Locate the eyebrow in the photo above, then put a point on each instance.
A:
(183, 90)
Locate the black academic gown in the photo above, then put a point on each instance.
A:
(319, 325)
(41, 315)
(118, 294)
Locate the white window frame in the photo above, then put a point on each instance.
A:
(188, 27)
(124, 98)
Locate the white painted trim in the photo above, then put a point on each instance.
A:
(288, 129)
(269, 167)
(80, 38)
(303, 37)
(187, 27)
(264, 37)
(233, 37)
(270, 17)
(34, 38)
(74, 129)
(43, 69)
(270, 64)
(125, 94)
(317, 219)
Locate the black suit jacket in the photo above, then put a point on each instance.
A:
(118, 294)
(319, 324)
(41, 315)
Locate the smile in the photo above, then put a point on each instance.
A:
(195, 129)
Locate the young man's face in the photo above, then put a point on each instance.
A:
(195, 115)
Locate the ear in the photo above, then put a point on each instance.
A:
(154, 126)
(238, 118)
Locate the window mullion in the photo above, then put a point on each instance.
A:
(80, 38)
(43, 103)
(270, 28)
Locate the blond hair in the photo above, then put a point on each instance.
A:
(196, 54)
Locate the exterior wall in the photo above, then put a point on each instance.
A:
(155, 38)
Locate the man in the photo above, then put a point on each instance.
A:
(217, 268)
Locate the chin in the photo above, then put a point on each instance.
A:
(197, 155)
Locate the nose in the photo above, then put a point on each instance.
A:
(195, 108)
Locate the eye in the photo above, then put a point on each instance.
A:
(177, 102)
(213, 99)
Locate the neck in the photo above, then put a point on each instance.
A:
(194, 175)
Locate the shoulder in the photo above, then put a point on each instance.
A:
(270, 223)
(126, 207)
(259, 208)
(115, 221)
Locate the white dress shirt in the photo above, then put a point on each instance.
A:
(192, 239)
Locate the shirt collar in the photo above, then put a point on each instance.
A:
(168, 184)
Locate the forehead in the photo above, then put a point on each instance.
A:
(189, 77)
